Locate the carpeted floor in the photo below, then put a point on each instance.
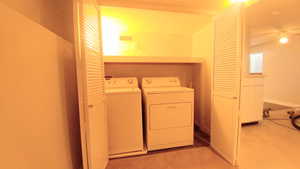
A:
(271, 144)
(267, 145)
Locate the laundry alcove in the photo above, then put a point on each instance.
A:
(189, 73)
(139, 42)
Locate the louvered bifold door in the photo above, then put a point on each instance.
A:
(226, 83)
(90, 76)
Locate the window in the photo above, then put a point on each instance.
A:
(256, 63)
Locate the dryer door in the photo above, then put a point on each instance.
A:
(164, 116)
(170, 125)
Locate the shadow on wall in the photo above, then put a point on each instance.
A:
(55, 15)
(67, 67)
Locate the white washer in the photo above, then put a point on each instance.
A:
(125, 126)
(169, 113)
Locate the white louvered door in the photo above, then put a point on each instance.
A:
(90, 77)
(225, 124)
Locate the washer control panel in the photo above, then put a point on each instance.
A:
(130, 82)
(161, 82)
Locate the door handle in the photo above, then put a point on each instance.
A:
(90, 106)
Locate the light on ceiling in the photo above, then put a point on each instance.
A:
(284, 40)
(238, 1)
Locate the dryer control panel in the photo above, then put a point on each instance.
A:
(161, 82)
(130, 82)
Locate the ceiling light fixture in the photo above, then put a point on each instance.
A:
(238, 1)
(245, 2)
(284, 40)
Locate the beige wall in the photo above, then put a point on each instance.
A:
(38, 103)
(183, 71)
(153, 33)
(281, 70)
(55, 15)
(203, 47)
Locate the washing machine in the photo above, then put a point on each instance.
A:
(168, 112)
(124, 108)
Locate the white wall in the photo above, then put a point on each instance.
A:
(38, 102)
(153, 33)
(203, 47)
(281, 70)
(53, 14)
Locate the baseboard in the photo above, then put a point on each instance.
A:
(250, 123)
(199, 134)
(203, 130)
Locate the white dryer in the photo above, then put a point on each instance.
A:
(124, 108)
(169, 113)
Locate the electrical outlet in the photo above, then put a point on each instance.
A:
(126, 38)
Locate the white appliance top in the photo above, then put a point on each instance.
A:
(156, 85)
(159, 90)
(153, 82)
(121, 83)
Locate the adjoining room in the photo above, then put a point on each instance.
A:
(271, 120)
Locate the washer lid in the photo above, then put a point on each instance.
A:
(158, 90)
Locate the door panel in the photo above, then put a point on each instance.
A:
(90, 80)
(225, 123)
(224, 131)
(97, 136)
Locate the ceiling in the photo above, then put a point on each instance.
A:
(267, 19)
(265, 15)
(193, 6)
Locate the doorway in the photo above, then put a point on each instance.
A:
(268, 136)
